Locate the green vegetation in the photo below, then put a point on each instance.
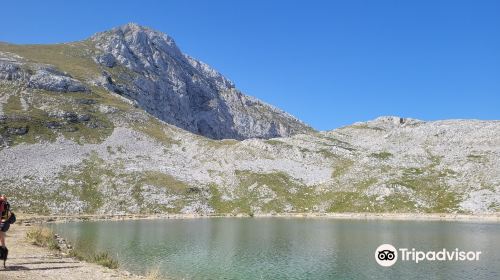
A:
(13, 105)
(381, 155)
(31, 121)
(92, 178)
(73, 58)
(426, 184)
(477, 158)
(348, 202)
(43, 237)
(100, 258)
(250, 193)
(327, 154)
(273, 142)
(334, 142)
(85, 181)
(39, 126)
(341, 167)
(158, 179)
(217, 144)
(161, 181)
(156, 130)
(104, 259)
(495, 207)
(223, 206)
(289, 193)
(429, 185)
(364, 126)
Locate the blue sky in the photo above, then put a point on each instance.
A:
(330, 63)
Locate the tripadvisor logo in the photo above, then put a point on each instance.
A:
(387, 255)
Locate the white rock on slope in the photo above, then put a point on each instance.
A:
(44, 77)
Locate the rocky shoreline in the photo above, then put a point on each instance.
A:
(490, 218)
(28, 261)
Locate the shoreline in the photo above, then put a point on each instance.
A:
(32, 262)
(481, 218)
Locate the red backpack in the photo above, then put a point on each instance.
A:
(4, 208)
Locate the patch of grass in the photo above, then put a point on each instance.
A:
(246, 198)
(156, 130)
(37, 121)
(87, 178)
(100, 258)
(327, 154)
(34, 120)
(217, 144)
(302, 199)
(273, 142)
(477, 158)
(412, 171)
(341, 167)
(73, 58)
(364, 184)
(86, 134)
(77, 255)
(166, 181)
(13, 105)
(357, 201)
(93, 177)
(429, 185)
(348, 202)
(381, 155)
(104, 259)
(365, 126)
(223, 206)
(43, 237)
(335, 142)
(494, 206)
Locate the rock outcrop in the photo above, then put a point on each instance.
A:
(39, 76)
(50, 79)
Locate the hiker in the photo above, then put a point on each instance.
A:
(6, 218)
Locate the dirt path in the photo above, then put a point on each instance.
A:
(27, 261)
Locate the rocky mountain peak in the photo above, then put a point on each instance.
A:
(137, 47)
(182, 90)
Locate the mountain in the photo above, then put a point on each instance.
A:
(181, 90)
(124, 122)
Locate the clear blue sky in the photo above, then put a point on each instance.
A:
(330, 63)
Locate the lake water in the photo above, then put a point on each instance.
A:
(288, 248)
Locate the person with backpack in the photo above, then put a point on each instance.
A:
(6, 218)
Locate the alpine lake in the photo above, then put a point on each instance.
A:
(287, 248)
